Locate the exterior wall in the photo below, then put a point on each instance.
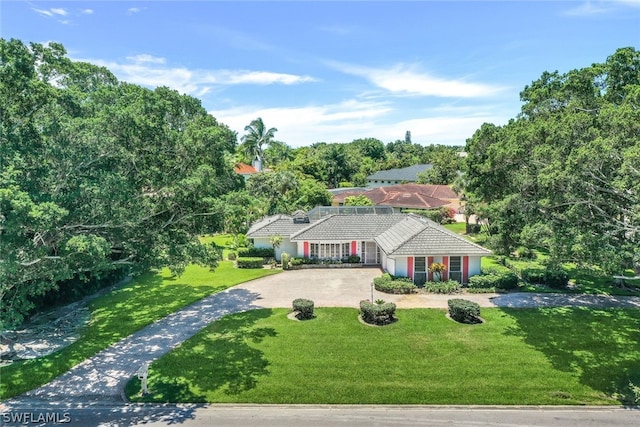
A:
(474, 265)
(400, 266)
(262, 242)
(404, 266)
(389, 264)
(286, 246)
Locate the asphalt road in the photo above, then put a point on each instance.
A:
(91, 415)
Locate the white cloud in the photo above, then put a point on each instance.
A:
(87, 12)
(152, 71)
(598, 7)
(133, 10)
(50, 13)
(265, 78)
(146, 58)
(59, 11)
(305, 125)
(349, 120)
(404, 79)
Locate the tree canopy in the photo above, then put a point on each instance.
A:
(99, 175)
(565, 174)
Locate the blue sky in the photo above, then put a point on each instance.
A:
(336, 71)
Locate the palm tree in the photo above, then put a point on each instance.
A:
(256, 137)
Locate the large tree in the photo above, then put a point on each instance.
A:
(98, 175)
(567, 168)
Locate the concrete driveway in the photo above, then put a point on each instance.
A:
(340, 287)
(346, 287)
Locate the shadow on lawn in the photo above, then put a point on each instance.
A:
(219, 358)
(599, 345)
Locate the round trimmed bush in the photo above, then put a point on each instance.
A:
(379, 313)
(304, 307)
(464, 311)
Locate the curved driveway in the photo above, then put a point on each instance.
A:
(347, 287)
(101, 378)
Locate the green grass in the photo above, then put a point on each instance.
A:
(457, 227)
(569, 356)
(123, 312)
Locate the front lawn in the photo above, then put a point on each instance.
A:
(123, 312)
(568, 356)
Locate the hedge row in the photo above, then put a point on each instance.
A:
(256, 252)
(553, 277)
(508, 280)
(304, 307)
(394, 285)
(447, 287)
(379, 313)
(249, 262)
(464, 311)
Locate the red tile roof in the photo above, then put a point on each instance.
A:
(416, 196)
(244, 169)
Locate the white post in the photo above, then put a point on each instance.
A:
(142, 373)
(372, 292)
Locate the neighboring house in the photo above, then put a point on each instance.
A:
(396, 176)
(406, 196)
(245, 170)
(402, 244)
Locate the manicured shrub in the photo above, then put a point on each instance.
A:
(249, 262)
(464, 311)
(351, 259)
(394, 285)
(508, 280)
(556, 277)
(304, 307)
(379, 313)
(257, 252)
(385, 278)
(231, 256)
(448, 287)
(553, 276)
(533, 275)
(285, 259)
(491, 290)
(301, 261)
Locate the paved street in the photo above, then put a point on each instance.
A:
(94, 415)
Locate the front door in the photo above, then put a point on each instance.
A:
(370, 255)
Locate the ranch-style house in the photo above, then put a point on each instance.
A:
(402, 244)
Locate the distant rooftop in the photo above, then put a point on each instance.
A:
(409, 174)
(322, 211)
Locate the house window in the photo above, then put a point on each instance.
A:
(420, 271)
(329, 250)
(345, 249)
(313, 253)
(455, 268)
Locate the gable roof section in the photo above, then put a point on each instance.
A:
(276, 225)
(348, 227)
(418, 236)
(403, 174)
